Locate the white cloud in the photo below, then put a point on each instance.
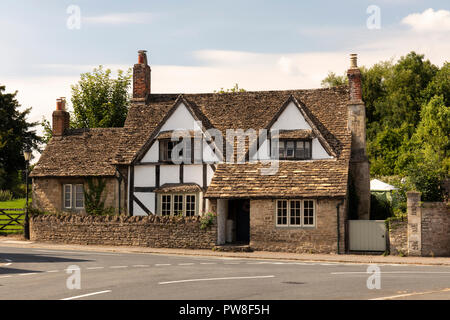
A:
(121, 18)
(429, 20)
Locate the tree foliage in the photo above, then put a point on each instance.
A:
(16, 134)
(408, 114)
(99, 101)
(333, 80)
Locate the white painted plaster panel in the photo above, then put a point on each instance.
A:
(209, 175)
(152, 155)
(291, 119)
(148, 199)
(193, 173)
(209, 156)
(181, 118)
(318, 152)
(144, 176)
(263, 152)
(169, 174)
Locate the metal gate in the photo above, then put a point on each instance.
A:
(11, 220)
(367, 235)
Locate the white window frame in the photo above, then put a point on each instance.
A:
(172, 203)
(302, 212)
(75, 195)
(64, 196)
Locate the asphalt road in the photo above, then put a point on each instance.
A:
(32, 273)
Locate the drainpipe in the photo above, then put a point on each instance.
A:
(119, 180)
(338, 224)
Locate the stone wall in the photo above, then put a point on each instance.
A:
(265, 235)
(435, 229)
(398, 237)
(428, 227)
(148, 231)
(47, 193)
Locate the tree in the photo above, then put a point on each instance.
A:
(407, 108)
(15, 136)
(332, 80)
(99, 101)
(231, 90)
(430, 160)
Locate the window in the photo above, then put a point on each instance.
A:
(295, 213)
(165, 204)
(67, 196)
(186, 154)
(79, 196)
(294, 149)
(165, 150)
(190, 205)
(73, 196)
(308, 213)
(282, 212)
(176, 204)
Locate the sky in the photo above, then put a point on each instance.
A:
(202, 46)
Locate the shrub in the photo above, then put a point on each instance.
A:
(380, 207)
(6, 195)
(207, 220)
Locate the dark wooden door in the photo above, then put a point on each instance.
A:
(242, 220)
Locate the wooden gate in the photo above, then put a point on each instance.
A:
(11, 220)
(367, 235)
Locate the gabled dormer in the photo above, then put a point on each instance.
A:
(293, 135)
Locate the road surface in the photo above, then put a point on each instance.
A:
(34, 273)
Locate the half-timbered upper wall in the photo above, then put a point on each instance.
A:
(181, 119)
(291, 119)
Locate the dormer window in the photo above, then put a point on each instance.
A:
(185, 154)
(294, 149)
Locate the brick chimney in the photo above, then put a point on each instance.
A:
(141, 77)
(354, 79)
(359, 164)
(60, 117)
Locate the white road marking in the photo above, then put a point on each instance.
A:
(410, 294)
(50, 271)
(208, 262)
(5, 276)
(216, 279)
(9, 262)
(27, 274)
(395, 272)
(94, 268)
(77, 252)
(87, 295)
(141, 265)
(185, 264)
(231, 263)
(162, 264)
(118, 267)
(18, 242)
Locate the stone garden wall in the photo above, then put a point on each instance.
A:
(115, 230)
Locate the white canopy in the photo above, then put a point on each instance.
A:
(377, 185)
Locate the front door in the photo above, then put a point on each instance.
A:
(242, 214)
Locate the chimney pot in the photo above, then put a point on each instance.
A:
(141, 77)
(60, 117)
(354, 80)
(353, 60)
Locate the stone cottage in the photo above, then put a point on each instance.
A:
(277, 167)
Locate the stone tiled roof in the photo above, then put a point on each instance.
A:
(80, 152)
(313, 178)
(327, 108)
(177, 187)
(95, 152)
